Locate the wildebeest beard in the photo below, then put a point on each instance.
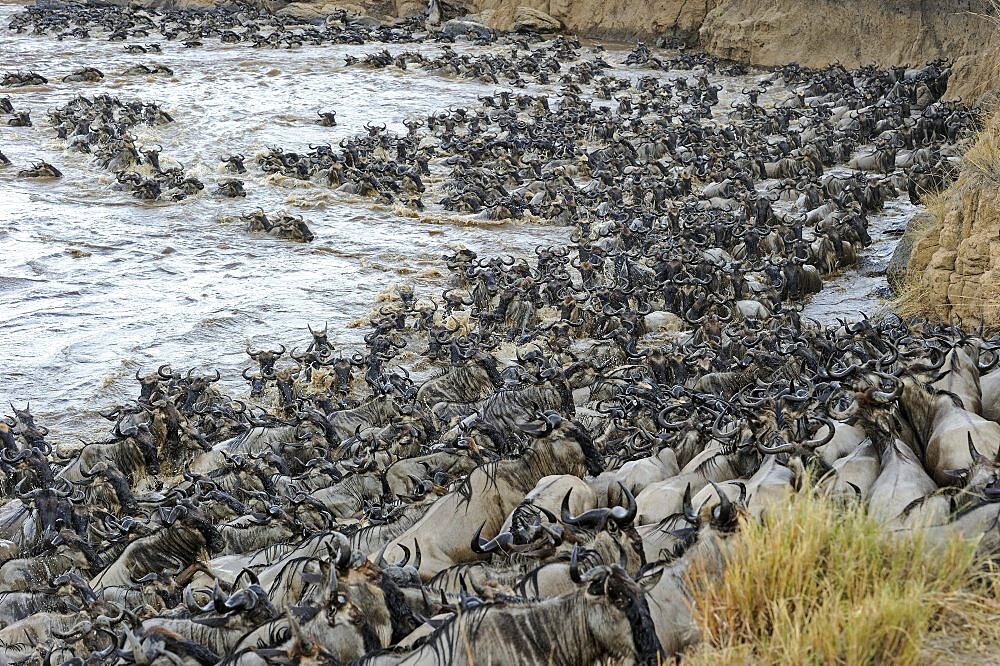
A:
(593, 459)
(647, 645)
(400, 614)
(369, 637)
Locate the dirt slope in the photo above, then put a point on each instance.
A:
(857, 32)
(955, 263)
(775, 32)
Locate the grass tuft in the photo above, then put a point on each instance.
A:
(983, 158)
(817, 584)
(912, 298)
(990, 12)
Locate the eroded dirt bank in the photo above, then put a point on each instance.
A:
(858, 32)
(776, 32)
(955, 265)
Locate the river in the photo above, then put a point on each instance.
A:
(95, 285)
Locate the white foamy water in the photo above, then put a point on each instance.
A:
(95, 284)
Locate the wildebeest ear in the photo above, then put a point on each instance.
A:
(304, 612)
(957, 474)
(647, 581)
(533, 428)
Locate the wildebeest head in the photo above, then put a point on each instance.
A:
(285, 379)
(611, 594)
(601, 518)
(145, 441)
(343, 370)
(292, 228)
(53, 505)
(76, 584)
(195, 387)
(982, 474)
(247, 608)
(150, 383)
(320, 342)
(115, 479)
(25, 421)
(551, 422)
(266, 358)
(355, 599)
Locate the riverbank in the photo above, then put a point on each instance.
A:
(765, 33)
(769, 33)
(954, 267)
(814, 34)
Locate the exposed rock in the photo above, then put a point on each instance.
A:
(309, 12)
(527, 19)
(895, 271)
(465, 28)
(365, 21)
(409, 7)
(663, 322)
(623, 19)
(955, 265)
(302, 11)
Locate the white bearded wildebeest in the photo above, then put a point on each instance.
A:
(670, 600)
(474, 380)
(901, 482)
(181, 539)
(990, 385)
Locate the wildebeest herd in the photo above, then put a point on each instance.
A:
(521, 468)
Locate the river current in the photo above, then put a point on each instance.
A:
(95, 285)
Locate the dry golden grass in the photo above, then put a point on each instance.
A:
(936, 204)
(816, 584)
(983, 158)
(913, 298)
(913, 295)
(991, 12)
(910, 299)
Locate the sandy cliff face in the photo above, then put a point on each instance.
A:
(621, 19)
(856, 32)
(955, 264)
(774, 32)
